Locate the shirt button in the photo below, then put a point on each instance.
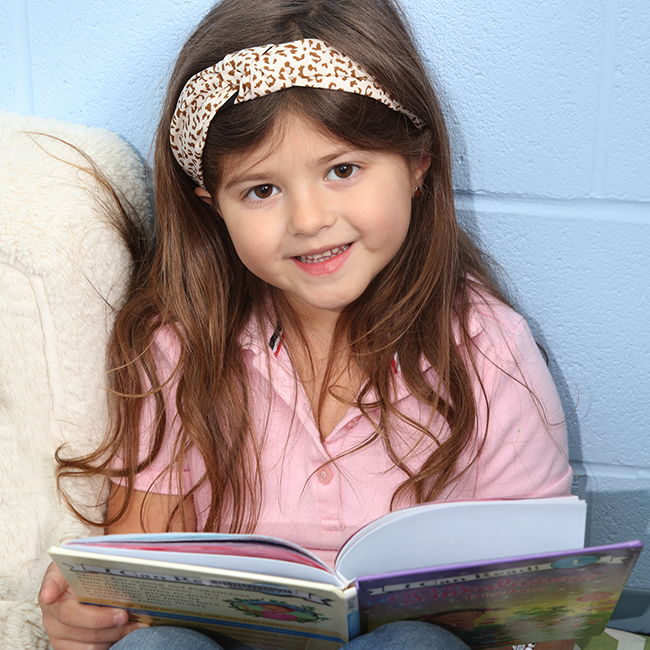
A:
(325, 475)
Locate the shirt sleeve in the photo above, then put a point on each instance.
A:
(521, 423)
(162, 475)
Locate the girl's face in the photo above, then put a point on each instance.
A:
(315, 218)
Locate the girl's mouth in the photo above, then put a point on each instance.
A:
(324, 263)
(322, 257)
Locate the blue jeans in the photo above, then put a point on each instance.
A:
(403, 635)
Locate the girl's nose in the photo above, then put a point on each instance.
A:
(308, 214)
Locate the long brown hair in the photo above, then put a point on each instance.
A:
(197, 285)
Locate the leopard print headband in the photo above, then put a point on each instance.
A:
(256, 72)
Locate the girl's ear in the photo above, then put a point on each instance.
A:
(204, 195)
(421, 167)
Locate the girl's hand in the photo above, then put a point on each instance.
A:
(71, 625)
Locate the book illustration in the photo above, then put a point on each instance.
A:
(453, 619)
(561, 596)
(276, 610)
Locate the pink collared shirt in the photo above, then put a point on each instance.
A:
(524, 452)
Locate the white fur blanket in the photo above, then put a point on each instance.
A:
(62, 267)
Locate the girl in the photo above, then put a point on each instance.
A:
(314, 341)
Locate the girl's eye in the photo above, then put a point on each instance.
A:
(342, 171)
(261, 192)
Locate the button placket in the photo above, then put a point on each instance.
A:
(329, 499)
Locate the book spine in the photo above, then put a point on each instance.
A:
(352, 602)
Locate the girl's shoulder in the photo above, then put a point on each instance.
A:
(496, 332)
(487, 314)
(166, 344)
(165, 349)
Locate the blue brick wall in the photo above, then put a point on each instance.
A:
(550, 109)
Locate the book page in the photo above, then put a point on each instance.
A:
(254, 554)
(463, 531)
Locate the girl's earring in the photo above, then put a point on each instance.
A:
(418, 191)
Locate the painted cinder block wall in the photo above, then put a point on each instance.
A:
(550, 112)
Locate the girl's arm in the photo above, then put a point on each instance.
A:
(157, 508)
(67, 622)
(525, 450)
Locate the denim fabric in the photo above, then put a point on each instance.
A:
(414, 635)
(172, 638)
(411, 635)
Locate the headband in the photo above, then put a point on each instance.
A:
(255, 72)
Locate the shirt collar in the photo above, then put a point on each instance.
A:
(272, 338)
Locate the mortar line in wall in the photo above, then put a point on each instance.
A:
(23, 79)
(611, 17)
(604, 470)
(616, 210)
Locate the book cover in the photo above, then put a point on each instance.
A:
(233, 607)
(538, 598)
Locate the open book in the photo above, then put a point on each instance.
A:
(492, 572)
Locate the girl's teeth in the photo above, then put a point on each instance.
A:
(321, 257)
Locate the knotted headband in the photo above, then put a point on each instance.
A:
(259, 71)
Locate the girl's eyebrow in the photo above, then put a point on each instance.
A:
(260, 177)
(243, 178)
(337, 154)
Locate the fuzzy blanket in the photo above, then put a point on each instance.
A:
(63, 269)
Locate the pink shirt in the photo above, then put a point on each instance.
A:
(524, 455)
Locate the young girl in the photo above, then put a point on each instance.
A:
(314, 341)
